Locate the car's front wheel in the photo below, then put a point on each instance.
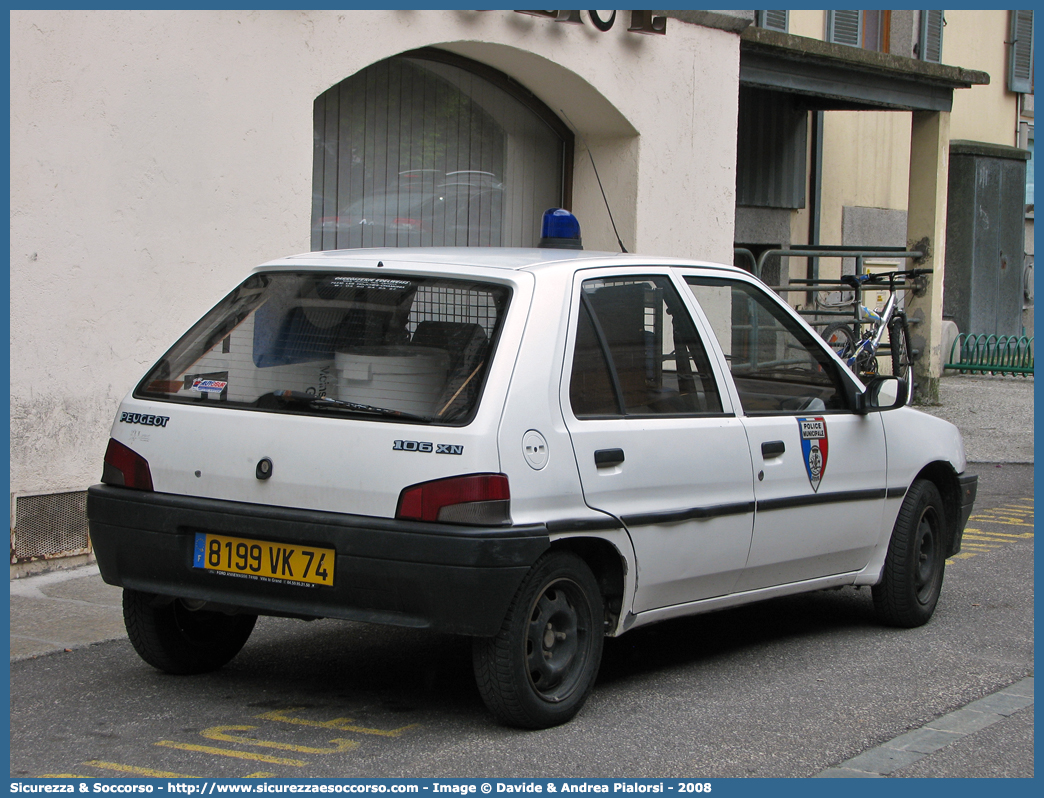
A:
(174, 638)
(913, 570)
(539, 669)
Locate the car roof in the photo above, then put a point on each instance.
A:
(511, 258)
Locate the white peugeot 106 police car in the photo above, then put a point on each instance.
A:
(532, 447)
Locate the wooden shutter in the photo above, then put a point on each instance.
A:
(930, 47)
(773, 20)
(845, 27)
(1020, 63)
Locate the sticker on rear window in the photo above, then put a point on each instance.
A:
(209, 386)
(377, 283)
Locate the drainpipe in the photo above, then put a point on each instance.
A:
(815, 186)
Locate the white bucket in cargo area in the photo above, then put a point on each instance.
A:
(393, 377)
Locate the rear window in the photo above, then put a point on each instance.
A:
(402, 348)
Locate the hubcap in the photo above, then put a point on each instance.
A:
(924, 573)
(556, 639)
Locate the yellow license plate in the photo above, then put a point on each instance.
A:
(263, 560)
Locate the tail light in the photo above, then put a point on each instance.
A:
(472, 499)
(125, 467)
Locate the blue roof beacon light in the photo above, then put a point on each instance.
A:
(559, 229)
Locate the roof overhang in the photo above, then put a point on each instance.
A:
(834, 77)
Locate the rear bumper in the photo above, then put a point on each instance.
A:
(442, 577)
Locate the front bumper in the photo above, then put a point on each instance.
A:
(447, 578)
(968, 485)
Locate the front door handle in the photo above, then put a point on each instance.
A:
(606, 458)
(772, 448)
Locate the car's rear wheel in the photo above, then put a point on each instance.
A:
(170, 636)
(539, 669)
(914, 566)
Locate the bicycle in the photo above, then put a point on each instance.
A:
(861, 355)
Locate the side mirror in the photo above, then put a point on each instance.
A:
(882, 393)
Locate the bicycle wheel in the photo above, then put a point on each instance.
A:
(899, 342)
(865, 364)
(839, 337)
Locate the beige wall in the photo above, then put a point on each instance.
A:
(866, 163)
(866, 155)
(811, 24)
(157, 156)
(975, 40)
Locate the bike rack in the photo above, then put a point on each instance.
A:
(812, 285)
(996, 354)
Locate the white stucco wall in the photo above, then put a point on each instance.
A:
(156, 156)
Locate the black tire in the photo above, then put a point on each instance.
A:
(916, 561)
(840, 338)
(899, 343)
(539, 669)
(175, 639)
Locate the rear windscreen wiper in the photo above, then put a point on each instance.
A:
(328, 403)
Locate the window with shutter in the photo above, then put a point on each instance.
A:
(845, 27)
(1020, 64)
(1029, 169)
(930, 46)
(870, 30)
(773, 20)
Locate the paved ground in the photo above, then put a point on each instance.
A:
(63, 610)
(994, 414)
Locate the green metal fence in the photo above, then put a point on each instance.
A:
(993, 354)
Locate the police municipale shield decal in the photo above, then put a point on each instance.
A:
(814, 448)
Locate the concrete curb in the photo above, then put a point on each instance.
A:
(908, 748)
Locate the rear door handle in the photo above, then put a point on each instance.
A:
(772, 448)
(606, 458)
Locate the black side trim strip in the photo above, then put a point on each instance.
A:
(697, 513)
(582, 525)
(896, 493)
(821, 498)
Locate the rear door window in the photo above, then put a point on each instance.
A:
(637, 352)
(410, 348)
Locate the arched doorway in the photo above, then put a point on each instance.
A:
(431, 149)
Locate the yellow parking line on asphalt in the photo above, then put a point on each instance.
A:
(220, 733)
(62, 776)
(978, 541)
(155, 774)
(340, 724)
(985, 519)
(1004, 535)
(990, 538)
(206, 749)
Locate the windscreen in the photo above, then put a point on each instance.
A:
(408, 348)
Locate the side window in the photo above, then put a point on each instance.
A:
(637, 353)
(775, 363)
